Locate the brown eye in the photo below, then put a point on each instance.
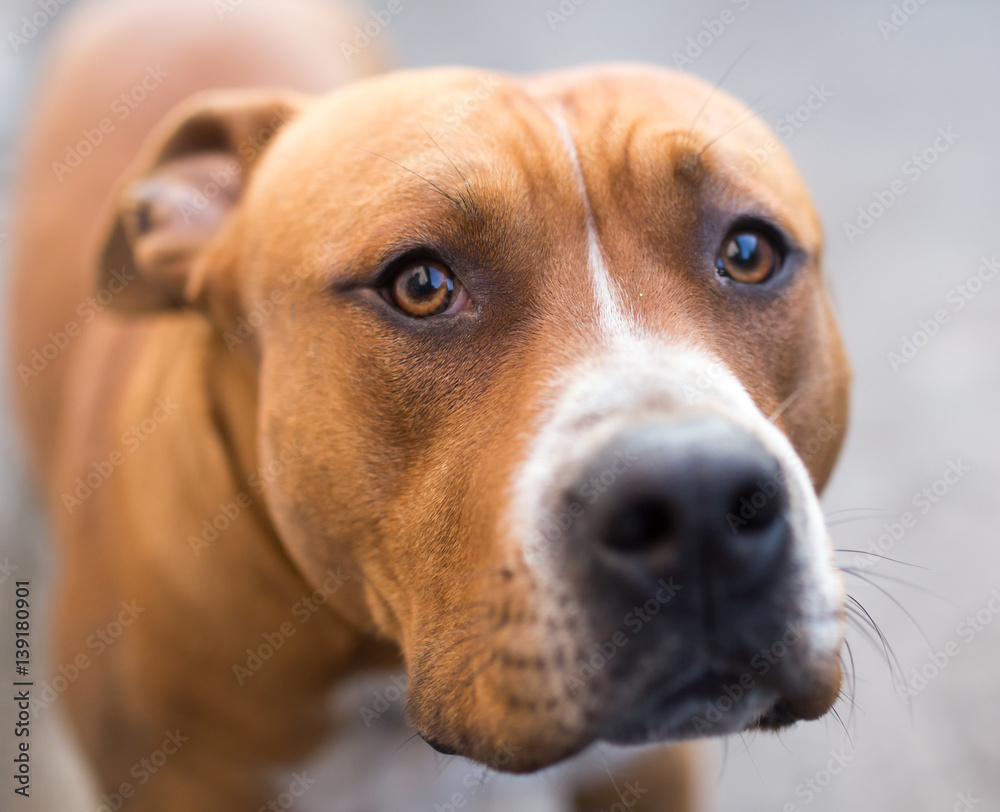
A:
(748, 256)
(427, 289)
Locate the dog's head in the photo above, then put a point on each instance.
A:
(564, 380)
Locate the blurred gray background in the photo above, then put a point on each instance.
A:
(894, 75)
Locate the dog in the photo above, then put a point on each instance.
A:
(525, 386)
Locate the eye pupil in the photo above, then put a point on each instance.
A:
(424, 289)
(744, 249)
(425, 282)
(748, 256)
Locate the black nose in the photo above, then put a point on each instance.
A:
(699, 499)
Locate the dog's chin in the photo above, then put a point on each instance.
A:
(513, 755)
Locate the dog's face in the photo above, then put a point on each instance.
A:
(562, 379)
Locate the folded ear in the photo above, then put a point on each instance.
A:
(180, 193)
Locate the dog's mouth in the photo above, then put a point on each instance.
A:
(707, 703)
(699, 704)
(716, 699)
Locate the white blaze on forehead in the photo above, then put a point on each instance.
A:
(612, 317)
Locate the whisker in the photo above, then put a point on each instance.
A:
(405, 742)
(751, 113)
(860, 615)
(433, 185)
(887, 649)
(782, 742)
(902, 581)
(464, 608)
(446, 155)
(856, 519)
(754, 763)
(718, 86)
(611, 778)
(857, 624)
(877, 555)
(853, 683)
(473, 674)
(902, 608)
(854, 510)
(785, 404)
(503, 571)
(846, 731)
(445, 763)
(725, 759)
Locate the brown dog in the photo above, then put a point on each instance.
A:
(523, 384)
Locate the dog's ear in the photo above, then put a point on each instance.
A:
(179, 195)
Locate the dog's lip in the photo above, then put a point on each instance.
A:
(696, 705)
(443, 749)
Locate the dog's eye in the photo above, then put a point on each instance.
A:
(748, 255)
(427, 289)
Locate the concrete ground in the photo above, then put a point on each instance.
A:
(904, 93)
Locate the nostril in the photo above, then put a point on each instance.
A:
(641, 525)
(756, 506)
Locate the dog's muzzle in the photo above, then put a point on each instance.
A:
(682, 548)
